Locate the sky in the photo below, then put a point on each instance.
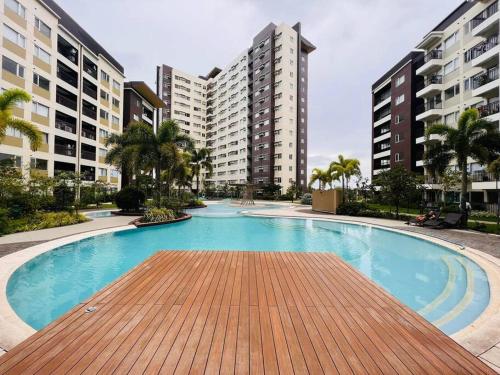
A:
(357, 42)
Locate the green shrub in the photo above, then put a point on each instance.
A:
(452, 208)
(130, 199)
(196, 203)
(44, 220)
(4, 221)
(351, 208)
(158, 215)
(306, 199)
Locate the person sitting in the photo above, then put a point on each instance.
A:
(421, 219)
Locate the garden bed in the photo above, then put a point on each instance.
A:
(128, 213)
(139, 224)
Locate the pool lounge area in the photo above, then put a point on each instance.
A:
(441, 284)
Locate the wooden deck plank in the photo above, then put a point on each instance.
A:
(245, 313)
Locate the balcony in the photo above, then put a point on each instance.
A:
(486, 23)
(486, 84)
(433, 61)
(63, 146)
(89, 67)
(484, 54)
(382, 101)
(88, 152)
(430, 111)
(87, 173)
(89, 110)
(65, 122)
(88, 131)
(66, 98)
(66, 74)
(90, 89)
(62, 167)
(67, 50)
(490, 111)
(382, 117)
(432, 86)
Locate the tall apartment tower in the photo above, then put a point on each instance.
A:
(252, 114)
(460, 71)
(395, 130)
(76, 88)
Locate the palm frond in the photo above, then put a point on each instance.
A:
(27, 129)
(11, 97)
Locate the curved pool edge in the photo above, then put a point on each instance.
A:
(13, 329)
(484, 332)
(476, 337)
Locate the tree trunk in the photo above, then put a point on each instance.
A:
(463, 198)
(343, 189)
(197, 185)
(158, 185)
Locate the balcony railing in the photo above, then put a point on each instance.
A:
(482, 176)
(481, 48)
(484, 15)
(66, 126)
(67, 102)
(429, 106)
(435, 54)
(381, 98)
(90, 91)
(88, 155)
(489, 109)
(432, 80)
(485, 78)
(89, 134)
(66, 150)
(382, 114)
(89, 112)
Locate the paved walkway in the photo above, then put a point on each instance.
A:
(19, 241)
(241, 312)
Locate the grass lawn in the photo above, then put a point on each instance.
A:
(487, 228)
(387, 208)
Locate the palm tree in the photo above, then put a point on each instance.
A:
(494, 168)
(8, 99)
(473, 138)
(345, 169)
(324, 177)
(147, 150)
(200, 159)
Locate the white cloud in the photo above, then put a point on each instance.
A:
(357, 41)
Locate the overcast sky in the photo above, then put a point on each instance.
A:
(357, 41)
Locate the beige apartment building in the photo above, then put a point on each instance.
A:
(76, 88)
(252, 114)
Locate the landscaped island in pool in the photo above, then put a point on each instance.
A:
(443, 286)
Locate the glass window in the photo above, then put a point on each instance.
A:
(42, 54)
(116, 85)
(16, 7)
(400, 80)
(40, 164)
(40, 109)
(451, 66)
(104, 114)
(12, 67)
(103, 172)
(40, 81)
(115, 120)
(400, 99)
(451, 40)
(42, 27)
(103, 133)
(452, 91)
(451, 119)
(116, 102)
(14, 36)
(13, 132)
(104, 76)
(14, 160)
(104, 95)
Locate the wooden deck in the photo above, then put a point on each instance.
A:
(241, 312)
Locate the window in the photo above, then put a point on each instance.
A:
(103, 172)
(468, 84)
(452, 91)
(103, 114)
(42, 54)
(104, 76)
(116, 102)
(400, 99)
(42, 27)
(451, 118)
(41, 82)
(397, 157)
(12, 67)
(13, 132)
(115, 173)
(40, 109)
(15, 161)
(451, 67)
(16, 7)
(39, 164)
(104, 95)
(397, 138)
(400, 80)
(398, 119)
(115, 120)
(116, 85)
(14, 36)
(103, 133)
(450, 41)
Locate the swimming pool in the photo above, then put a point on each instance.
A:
(445, 287)
(98, 214)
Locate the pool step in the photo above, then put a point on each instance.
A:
(447, 309)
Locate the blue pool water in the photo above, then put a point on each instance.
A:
(446, 288)
(98, 214)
